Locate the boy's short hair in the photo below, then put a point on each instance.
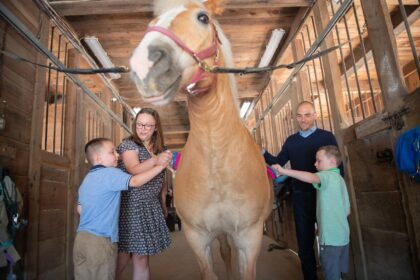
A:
(332, 151)
(93, 147)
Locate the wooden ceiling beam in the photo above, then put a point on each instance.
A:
(95, 7)
(406, 2)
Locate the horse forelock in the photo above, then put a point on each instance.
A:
(162, 6)
(166, 19)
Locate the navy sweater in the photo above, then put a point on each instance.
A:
(301, 153)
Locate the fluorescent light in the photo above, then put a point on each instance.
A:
(136, 109)
(100, 54)
(271, 47)
(244, 108)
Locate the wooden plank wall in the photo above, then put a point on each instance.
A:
(17, 82)
(48, 182)
(385, 223)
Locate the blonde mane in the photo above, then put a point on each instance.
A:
(228, 56)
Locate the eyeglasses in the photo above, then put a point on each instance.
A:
(145, 125)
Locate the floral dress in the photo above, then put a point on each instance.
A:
(142, 226)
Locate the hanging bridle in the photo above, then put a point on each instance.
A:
(203, 68)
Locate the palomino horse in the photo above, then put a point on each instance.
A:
(221, 186)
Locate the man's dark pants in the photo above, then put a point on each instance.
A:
(304, 207)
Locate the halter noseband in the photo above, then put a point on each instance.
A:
(203, 69)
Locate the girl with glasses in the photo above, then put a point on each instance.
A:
(142, 228)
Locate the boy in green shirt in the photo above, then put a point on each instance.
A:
(333, 207)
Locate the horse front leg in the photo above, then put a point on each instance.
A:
(248, 242)
(226, 253)
(201, 244)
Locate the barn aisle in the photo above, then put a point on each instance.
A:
(178, 263)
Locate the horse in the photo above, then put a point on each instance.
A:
(221, 189)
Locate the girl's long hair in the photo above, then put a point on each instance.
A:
(157, 137)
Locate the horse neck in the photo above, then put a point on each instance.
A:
(214, 116)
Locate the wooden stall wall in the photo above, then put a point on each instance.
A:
(48, 180)
(61, 176)
(385, 223)
(18, 84)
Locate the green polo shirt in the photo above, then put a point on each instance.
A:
(332, 208)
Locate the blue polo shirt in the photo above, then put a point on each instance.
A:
(99, 196)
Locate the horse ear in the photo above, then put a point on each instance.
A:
(215, 7)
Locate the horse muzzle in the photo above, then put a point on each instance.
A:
(157, 77)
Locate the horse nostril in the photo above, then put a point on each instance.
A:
(161, 59)
(156, 54)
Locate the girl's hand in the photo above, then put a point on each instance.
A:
(165, 211)
(164, 158)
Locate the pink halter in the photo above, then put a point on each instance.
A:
(203, 68)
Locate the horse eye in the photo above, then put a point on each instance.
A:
(203, 18)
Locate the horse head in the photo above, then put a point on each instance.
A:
(179, 47)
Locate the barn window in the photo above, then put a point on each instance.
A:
(55, 97)
(94, 126)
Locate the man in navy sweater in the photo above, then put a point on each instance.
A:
(300, 149)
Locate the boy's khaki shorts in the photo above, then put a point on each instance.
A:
(94, 257)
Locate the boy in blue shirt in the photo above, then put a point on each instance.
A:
(95, 249)
(333, 207)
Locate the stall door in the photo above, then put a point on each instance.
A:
(380, 205)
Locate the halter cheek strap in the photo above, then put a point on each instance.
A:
(201, 71)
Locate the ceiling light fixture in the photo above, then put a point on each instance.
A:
(100, 54)
(271, 47)
(136, 110)
(244, 108)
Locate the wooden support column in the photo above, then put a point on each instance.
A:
(331, 71)
(332, 81)
(384, 49)
(34, 172)
(275, 144)
(303, 90)
(116, 128)
(73, 150)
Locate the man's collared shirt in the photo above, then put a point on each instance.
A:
(308, 132)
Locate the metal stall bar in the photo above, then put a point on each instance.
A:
(47, 97)
(323, 79)
(62, 101)
(289, 118)
(88, 127)
(326, 97)
(316, 78)
(343, 64)
(325, 89)
(307, 69)
(356, 77)
(409, 35)
(24, 31)
(55, 94)
(372, 94)
(337, 16)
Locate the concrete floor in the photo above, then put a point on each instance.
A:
(179, 263)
